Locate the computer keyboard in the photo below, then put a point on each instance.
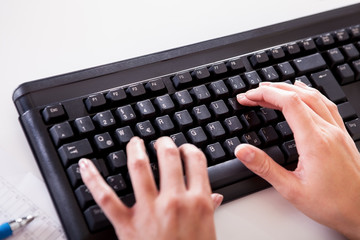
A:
(188, 94)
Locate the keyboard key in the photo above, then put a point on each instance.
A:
(54, 113)
(179, 139)
(346, 111)
(353, 128)
(215, 130)
(227, 172)
(165, 104)
(233, 125)
(84, 125)
(341, 35)
(201, 73)
(235, 65)
(126, 114)
(103, 141)
(219, 109)
(236, 85)
(267, 115)
(308, 45)
(136, 91)
(284, 130)
(183, 99)
(355, 31)
(95, 102)
(250, 120)
(197, 136)
(268, 135)
(292, 49)
(334, 57)
(75, 151)
(218, 69)
(219, 89)
(145, 130)
(116, 95)
(84, 196)
(325, 41)
(304, 79)
(104, 119)
(181, 80)
(350, 52)
(101, 166)
(200, 94)
(155, 86)
(277, 53)
(269, 74)
(252, 79)
(183, 119)
(290, 151)
(356, 67)
(327, 84)
(309, 63)
(259, 59)
(164, 125)
(215, 153)
(345, 74)
(116, 182)
(145, 109)
(74, 175)
(201, 114)
(275, 153)
(230, 145)
(251, 138)
(286, 71)
(116, 160)
(96, 218)
(61, 132)
(235, 106)
(123, 135)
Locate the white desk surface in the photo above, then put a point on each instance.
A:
(43, 38)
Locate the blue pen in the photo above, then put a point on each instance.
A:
(7, 229)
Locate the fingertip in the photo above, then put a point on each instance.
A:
(217, 199)
(244, 153)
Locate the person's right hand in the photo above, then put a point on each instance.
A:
(326, 183)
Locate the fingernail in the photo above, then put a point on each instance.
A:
(244, 155)
(240, 96)
(219, 198)
(300, 83)
(83, 163)
(265, 83)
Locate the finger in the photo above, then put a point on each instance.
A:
(140, 172)
(170, 166)
(195, 168)
(332, 108)
(217, 199)
(103, 195)
(296, 112)
(284, 181)
(313, 98)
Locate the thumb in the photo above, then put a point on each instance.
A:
(261, 164)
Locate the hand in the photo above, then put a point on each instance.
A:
(177, 211)
(326, 183)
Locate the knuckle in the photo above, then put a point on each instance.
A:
(138, 163)
(104, 197)
(170, 150)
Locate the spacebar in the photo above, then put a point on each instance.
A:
(227, 173)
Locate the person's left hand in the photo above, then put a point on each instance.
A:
(178, 210)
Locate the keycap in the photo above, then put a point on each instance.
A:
(181, 80)
(116, 95)
(103, 141)
(96, 218)
(201, 114)
(346, 111)
(341, 35)
(164, 125)
(236, 85)
(250, 120)
(268, 135)
(200, 94)
(178, 138)
(353, 128)
(126, 114)
(197, 136)
(183, 99)
(136, 91)
(227, 172)
(308, 45)
(123, 135)
(286, 71)
(218, 89)
(292, 48)
(104, 119)
(145, 109)
(277, 53)
(95, 102)
(215, 130)
(267, 115)
(74, 175)
(145, 130)
(309, 63)
(327, 84)
(83, 196)
(84, 125)
(325, 41)
(355, 31)
(259, 59)
(290, 151)
(251, 138)
(345, 74)
(275, 153)
(164, 104)
(215, 153)
(284, 130)
(334, 57)
(219, 109)
(61, 132)
(235, 65)
(74, 150)
(54, 113)
(230, 144)
(183, 119)
(233, 125)
(350, 52)
(201, 73)
(218, 69)
(304, 79)
(116, 182)
(269, 74)
(356, 68)
(155, 86)
(101, 166)
(252, 79)
(116, 160)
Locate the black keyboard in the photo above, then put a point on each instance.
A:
(188, 94)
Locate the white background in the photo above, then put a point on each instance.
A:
(42, 38)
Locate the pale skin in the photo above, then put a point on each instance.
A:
(325, 185)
